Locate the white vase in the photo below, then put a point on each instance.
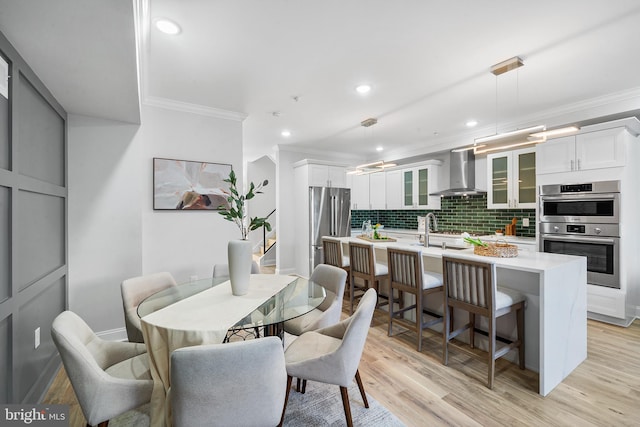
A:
(239, 255)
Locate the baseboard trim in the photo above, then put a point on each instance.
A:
(119, 334)
(612, 320)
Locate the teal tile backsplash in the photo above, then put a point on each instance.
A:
(457, 213)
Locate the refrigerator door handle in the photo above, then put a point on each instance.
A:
(332, 231)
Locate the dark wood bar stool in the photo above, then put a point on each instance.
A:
(406, 274)
(471, 286)
(364, 266)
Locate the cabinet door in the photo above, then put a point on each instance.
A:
(337, 176)
(524, 178)
(602, 149)
(360, 192)
(422, 187)
(498, 167)
(407, 188)
(318, 176)
(556, 155)
(377, 191)
(393, 189)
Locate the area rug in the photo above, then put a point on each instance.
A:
(321, 405)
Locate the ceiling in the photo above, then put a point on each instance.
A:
(294, 64)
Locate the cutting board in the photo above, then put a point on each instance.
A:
(369, 239)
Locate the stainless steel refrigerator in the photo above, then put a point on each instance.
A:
(330, 214)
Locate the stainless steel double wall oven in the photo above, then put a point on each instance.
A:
(584, 219)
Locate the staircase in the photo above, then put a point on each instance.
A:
(267, 258)
(266, 255)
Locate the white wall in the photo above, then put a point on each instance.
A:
(104, 217)
(114, 233)
(185, 243)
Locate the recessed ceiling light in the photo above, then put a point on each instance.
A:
(471, 123)
(167, 26)
(285, 133)
(379, 148)
(363, 88)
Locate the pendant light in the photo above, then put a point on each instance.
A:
(373, 167)
(516, 138)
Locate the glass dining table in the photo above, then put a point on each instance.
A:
(205, 312)
(297, 298)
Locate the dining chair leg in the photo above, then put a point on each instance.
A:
(286, 399)
(304, 386)
(345, 404)
(298, 380)
(361, 387)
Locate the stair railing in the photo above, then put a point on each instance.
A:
(264, 235)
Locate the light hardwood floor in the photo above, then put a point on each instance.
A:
(418, 389)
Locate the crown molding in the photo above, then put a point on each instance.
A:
(185, 107)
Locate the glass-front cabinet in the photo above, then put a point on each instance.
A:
(417, 183)
(512, 179)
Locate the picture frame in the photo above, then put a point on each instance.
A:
(189, 185)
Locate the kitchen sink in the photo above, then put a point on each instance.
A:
(455, 248)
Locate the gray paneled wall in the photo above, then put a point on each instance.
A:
(33, 232)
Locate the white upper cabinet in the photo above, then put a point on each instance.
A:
(327, 176)
(511, 178)
(592, 150)
(360, 192)
(417, 183)
(393, 184)
(377, 191)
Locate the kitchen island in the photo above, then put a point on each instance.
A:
(555, 287)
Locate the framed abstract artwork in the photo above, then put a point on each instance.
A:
(188, 185)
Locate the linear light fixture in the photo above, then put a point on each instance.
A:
(506, 136)
(368, 165)
(504, 147)
(556, 132)
(467, 148)
(373, 167)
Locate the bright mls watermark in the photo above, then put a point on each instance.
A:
(34, 415)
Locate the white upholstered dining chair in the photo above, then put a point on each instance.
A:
(333, 280)
(222, 270)
(331, 355)
(109, 378)
(134, 291)
(235, 384)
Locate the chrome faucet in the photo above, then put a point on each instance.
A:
(426, 227)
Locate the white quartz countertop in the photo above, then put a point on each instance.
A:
(413, 234)
(525, 261)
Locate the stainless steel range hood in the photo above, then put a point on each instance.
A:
(462, 173)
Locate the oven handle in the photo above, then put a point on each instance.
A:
(586, 196)
(565, 237)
